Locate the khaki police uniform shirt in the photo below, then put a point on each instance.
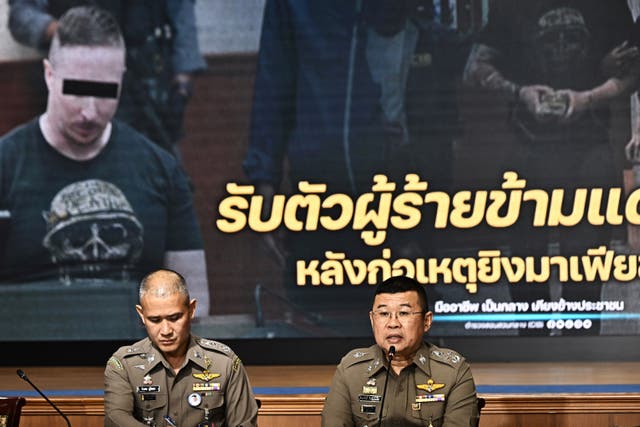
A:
(437, 390)
(141, 388)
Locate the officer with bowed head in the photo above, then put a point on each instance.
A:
(172, 377)
(401, 380)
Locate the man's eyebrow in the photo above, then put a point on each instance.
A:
(158, 316)
(404, 304)
(90, 88)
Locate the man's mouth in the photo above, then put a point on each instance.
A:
(394, 339)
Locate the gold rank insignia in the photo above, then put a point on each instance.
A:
(206, 376)
(367, 389)
(429, 386)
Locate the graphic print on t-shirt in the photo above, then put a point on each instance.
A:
(92, 228)
(561, 41)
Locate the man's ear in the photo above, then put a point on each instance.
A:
(48, 73)
(192, 308)
(428, 318)
(140, 313)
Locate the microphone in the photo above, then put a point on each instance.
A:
(392, 352)
(22, 375)
(390, 355)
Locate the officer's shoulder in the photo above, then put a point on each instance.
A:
(358, 355)
(134, 349)
(445, 356)
(215, 346)
(119, 358)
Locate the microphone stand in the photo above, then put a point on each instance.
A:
(392, 352)
(22, 375)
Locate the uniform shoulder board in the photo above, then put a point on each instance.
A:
(358, 355)
(215, 346)
(447, 356)
(129, 350)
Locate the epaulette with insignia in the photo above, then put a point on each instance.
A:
(448, 356)
(215, 345)
(358, 355)
(130, 350)
(134, 351)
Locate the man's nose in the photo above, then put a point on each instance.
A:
(165, 328)
(393, 321)
(89, 108)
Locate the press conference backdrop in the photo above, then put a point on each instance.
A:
(359, 148)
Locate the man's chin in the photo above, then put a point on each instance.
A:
(84, 137)
(168, 348)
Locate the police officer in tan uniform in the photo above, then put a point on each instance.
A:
(427, 385)
(173, 378)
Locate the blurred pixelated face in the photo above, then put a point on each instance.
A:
(78, 107)
(398, 320)
(168, 321)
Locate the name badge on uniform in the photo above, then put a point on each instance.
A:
(206, 386)
(368, 409)
(369, 398)
(148, 389)
(424, 398)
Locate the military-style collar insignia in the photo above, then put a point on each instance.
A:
(150, 358)
(197, 354)
(373, 365)
(359, 354)
(371, 381)
(430, 386)
(206, 376)
(422, 359)
(147, 380)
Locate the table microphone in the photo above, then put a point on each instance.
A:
(392, 352)
(22, 375)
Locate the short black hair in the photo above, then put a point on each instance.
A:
(397, 284)
(87, 26)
